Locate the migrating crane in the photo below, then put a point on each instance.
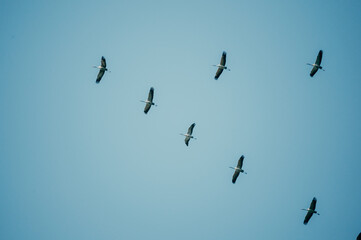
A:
(310, 211)
(102, 68)
(221, 66)
(317, 64)
(238, 169)
(149, 101)
(188, 135)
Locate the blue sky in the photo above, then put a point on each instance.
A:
(80, 160)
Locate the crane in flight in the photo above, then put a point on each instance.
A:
(102, 68)
(188, 135)
(149, 102)
(317, 64)
(221, 66)
(310, 211)
(238, 169)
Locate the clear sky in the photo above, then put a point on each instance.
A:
(80, 160)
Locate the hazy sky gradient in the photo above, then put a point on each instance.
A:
(80, 160)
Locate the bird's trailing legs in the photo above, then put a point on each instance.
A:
(309, 210)
(318, 67)
(241, 170)
(153, 104)
(100, 67)
(225, 68)
(188, 136)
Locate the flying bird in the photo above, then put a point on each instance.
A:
(102, 68)
(221, 66)
(188, 135)
(310, 211)
(317, 64)
(359, 237)
(149, 101)
(238, 169)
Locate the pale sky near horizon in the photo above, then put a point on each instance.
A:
(80, 160)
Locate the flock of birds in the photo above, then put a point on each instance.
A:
(188, 136)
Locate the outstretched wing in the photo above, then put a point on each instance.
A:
(319, 58)
(235, 176)
(313, 204)
(240, 162)
(150, 95)
(103, 62)
(307, 218)
(147, 107)
(190, 129)
(223, 63)
(223, 59)
(313, 71)
(100, 75)
(186, 140)
(218, 73)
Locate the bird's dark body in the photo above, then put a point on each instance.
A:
(103, 68)
(222, 63)
(238, 170)
(317, 63)
(310, 211)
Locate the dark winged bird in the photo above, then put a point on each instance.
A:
(149, 101)
(188, 135)
(102, 68)
(221, 66)
(317, 64)
(238, 169)
(310, 211)
(359, 237)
